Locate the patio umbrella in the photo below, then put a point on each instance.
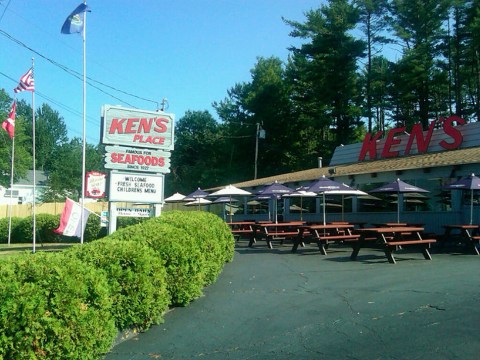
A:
(225, 200)
(471, 183)
(273, 191)
(199, 202)
(177, 197)
(230, 191)
(398, 187)
(301, 193)
(196, 196)
(324, 184)
(343, 192)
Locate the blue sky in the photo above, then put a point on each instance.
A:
(187, 51)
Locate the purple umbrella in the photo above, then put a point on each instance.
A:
(471, 183)
(274, 191)
(323, 185)
(398, 186)
(196, 196)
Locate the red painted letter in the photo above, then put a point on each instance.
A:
(455, 134)
(417, 133)
(116, 126)
(370, 145)
(386, 153)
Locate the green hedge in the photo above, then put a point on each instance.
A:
(184, 262)
(53, 307)
(22, 229)
(4, 228)
(212, 235)
(137, 280)
(70, 305)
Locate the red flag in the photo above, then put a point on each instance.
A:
(71, 218)
(9, 124)
(26, 82)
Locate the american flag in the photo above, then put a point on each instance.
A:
(26, 82)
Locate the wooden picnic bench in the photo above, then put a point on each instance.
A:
(241, 229)
(275, 231)
(323, 235)
(393, 239)
(467, 234)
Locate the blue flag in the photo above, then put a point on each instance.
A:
(75, 21)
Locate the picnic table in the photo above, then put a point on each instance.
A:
(467, 234)
(275, 231)
(323, 235)
(392, 239)
(242, 229)
(396, 224)
(360, 224)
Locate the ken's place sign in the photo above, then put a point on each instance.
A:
(137, 128)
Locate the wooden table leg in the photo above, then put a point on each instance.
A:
(389, 255)
(426, 253)
(356, 249)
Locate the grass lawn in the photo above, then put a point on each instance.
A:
(12, 249)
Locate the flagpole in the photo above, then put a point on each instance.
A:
(11, 190)
(34, 165)
(84, 117)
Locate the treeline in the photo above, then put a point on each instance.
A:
(362, 66)
(56, 155)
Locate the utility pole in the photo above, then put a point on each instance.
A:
(256, 149)
(260, 134)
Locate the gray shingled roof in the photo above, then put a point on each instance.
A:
(40, 179)
(430, 160)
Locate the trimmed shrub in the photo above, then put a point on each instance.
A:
(125, 221)
(212, 234)
(4, 228)
(92, 229)
(54, 307)
(45, 223)
(183, 260)
(137, 280)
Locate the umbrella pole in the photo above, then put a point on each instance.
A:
(398, 207)
(275, 210)
(230, 210)
(301, 208)
(324, 217)
(471, 207)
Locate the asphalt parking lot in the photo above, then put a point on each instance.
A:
(274, 304)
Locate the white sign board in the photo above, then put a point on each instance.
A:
(137, 159)
(133, 212)
(136, 188)
(139, 128)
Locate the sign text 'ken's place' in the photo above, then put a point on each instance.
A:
(139, 128)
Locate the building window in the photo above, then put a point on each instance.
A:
(11, 193)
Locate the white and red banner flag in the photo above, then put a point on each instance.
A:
(70, 221)
(9, 124)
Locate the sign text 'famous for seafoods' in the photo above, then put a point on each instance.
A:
(138, 128)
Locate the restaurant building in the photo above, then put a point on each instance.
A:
(431, 159)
